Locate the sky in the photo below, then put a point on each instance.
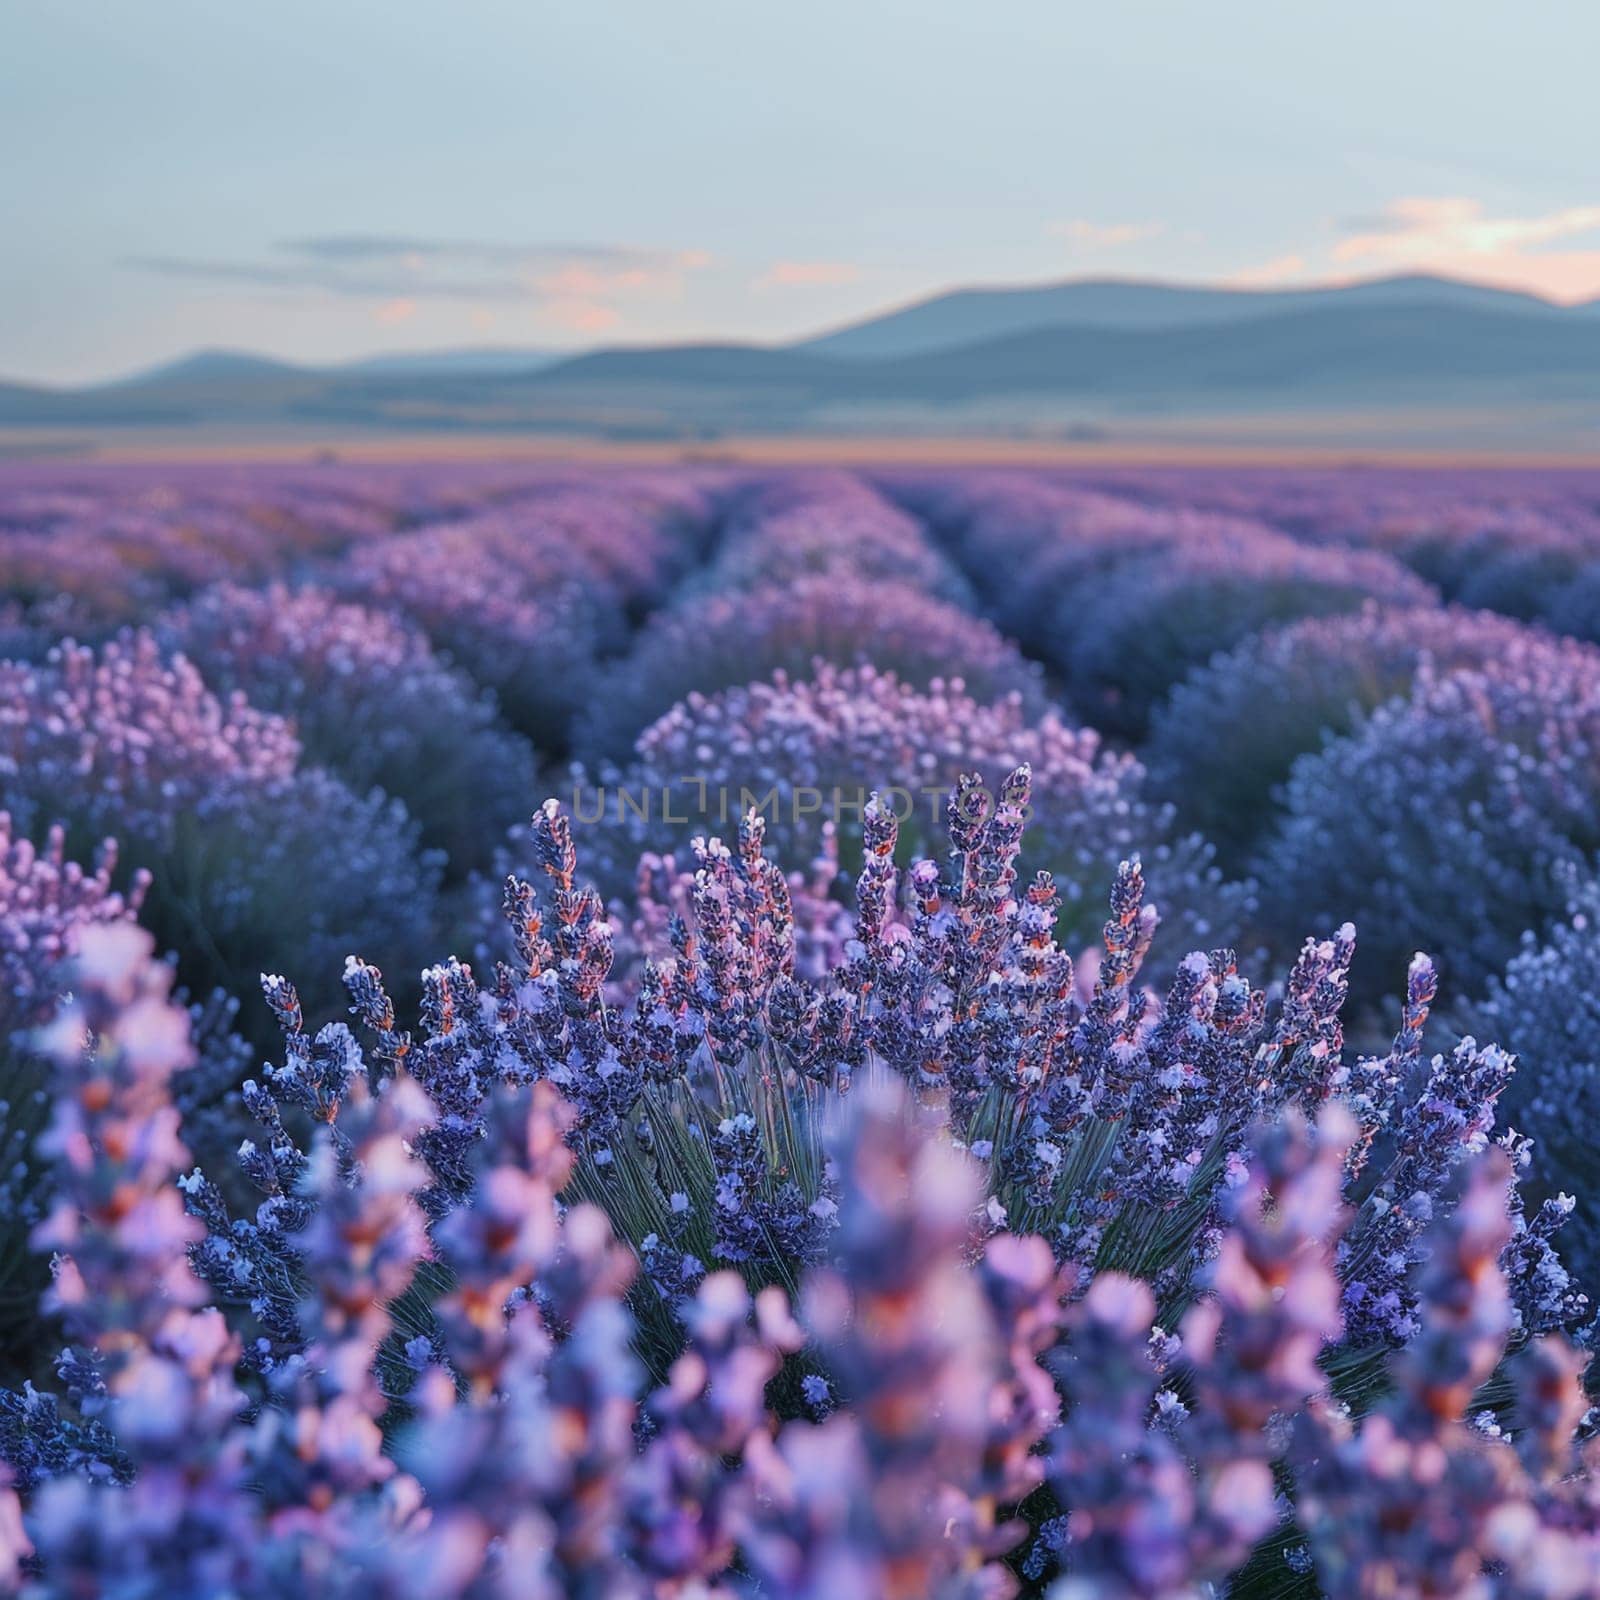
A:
(320, 180)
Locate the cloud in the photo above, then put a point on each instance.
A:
(1104, 235)
(1458, 224)
(395, 268)
(394, 311)
(581, 316)
(1269, 274)
(390, 247)
(1553, 253)
(807, 275)
(1459, 235)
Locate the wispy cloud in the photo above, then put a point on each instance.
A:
(1269, 274)
(1103, 235)
(582, 316)
(1552, 253)
(406, 248)
(808, 275)
(574, 281)
(1457, 234)
(1455, 223)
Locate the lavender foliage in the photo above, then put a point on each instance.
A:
(824, 1210)
(725, 640)
(1224, 741)
(527, 597)
(544, 1416)
(1546, 1008)
(207, 795)
(46, 903)
(369, 701)
(1449, 817)
(810, 754)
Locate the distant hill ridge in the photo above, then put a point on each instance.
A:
(1106, 353)
(964, 316)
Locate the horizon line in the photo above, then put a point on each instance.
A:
(566, 352)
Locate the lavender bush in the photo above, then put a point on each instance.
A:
(110, 545)
(1546, 1007)
(1222, 745)
(1122, 599)
(1450, 815)
(46, 901)
(208, 796)
(369, 701)
(1523, 543)
(527, 598)
(811, 753)
(1006, 527)
(440, 1361)
(1144, 625)
(1513, 558)
(722, 641)
(815, 1214)
(533, 650)
(820, 525)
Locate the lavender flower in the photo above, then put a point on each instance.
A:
(721, 641)
(526, 597)
(1448, 817)
(46, 904)
(206, 794)
(498, 1429)
(810, 753)
(1223, 743)
(370, 702)
(150, 1360)
(1546, 1008)
(826, 524)
(773, 1226)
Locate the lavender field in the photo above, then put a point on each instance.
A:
(718, 1031)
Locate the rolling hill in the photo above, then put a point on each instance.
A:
(1102, 355)
(965, 316)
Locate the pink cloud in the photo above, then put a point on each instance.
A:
(1458, 235)
(581, 316)
(1269, 274)
(1104, 235)
(586, 296)
(394, 311)
(808, 275)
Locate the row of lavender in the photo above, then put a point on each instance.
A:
(1230, 652)
(277, 715)
(702, 1038)
(1523, 543)
(1345, 739)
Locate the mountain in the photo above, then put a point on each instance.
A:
(1390, 363)
(1368, 350)
(206, 367)
(243, 366)
(965, 316)
(697, 363)
(1369, 347)
(429, 363)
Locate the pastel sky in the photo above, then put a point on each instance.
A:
(322, 179)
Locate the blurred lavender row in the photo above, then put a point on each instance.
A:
(801, 1199)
